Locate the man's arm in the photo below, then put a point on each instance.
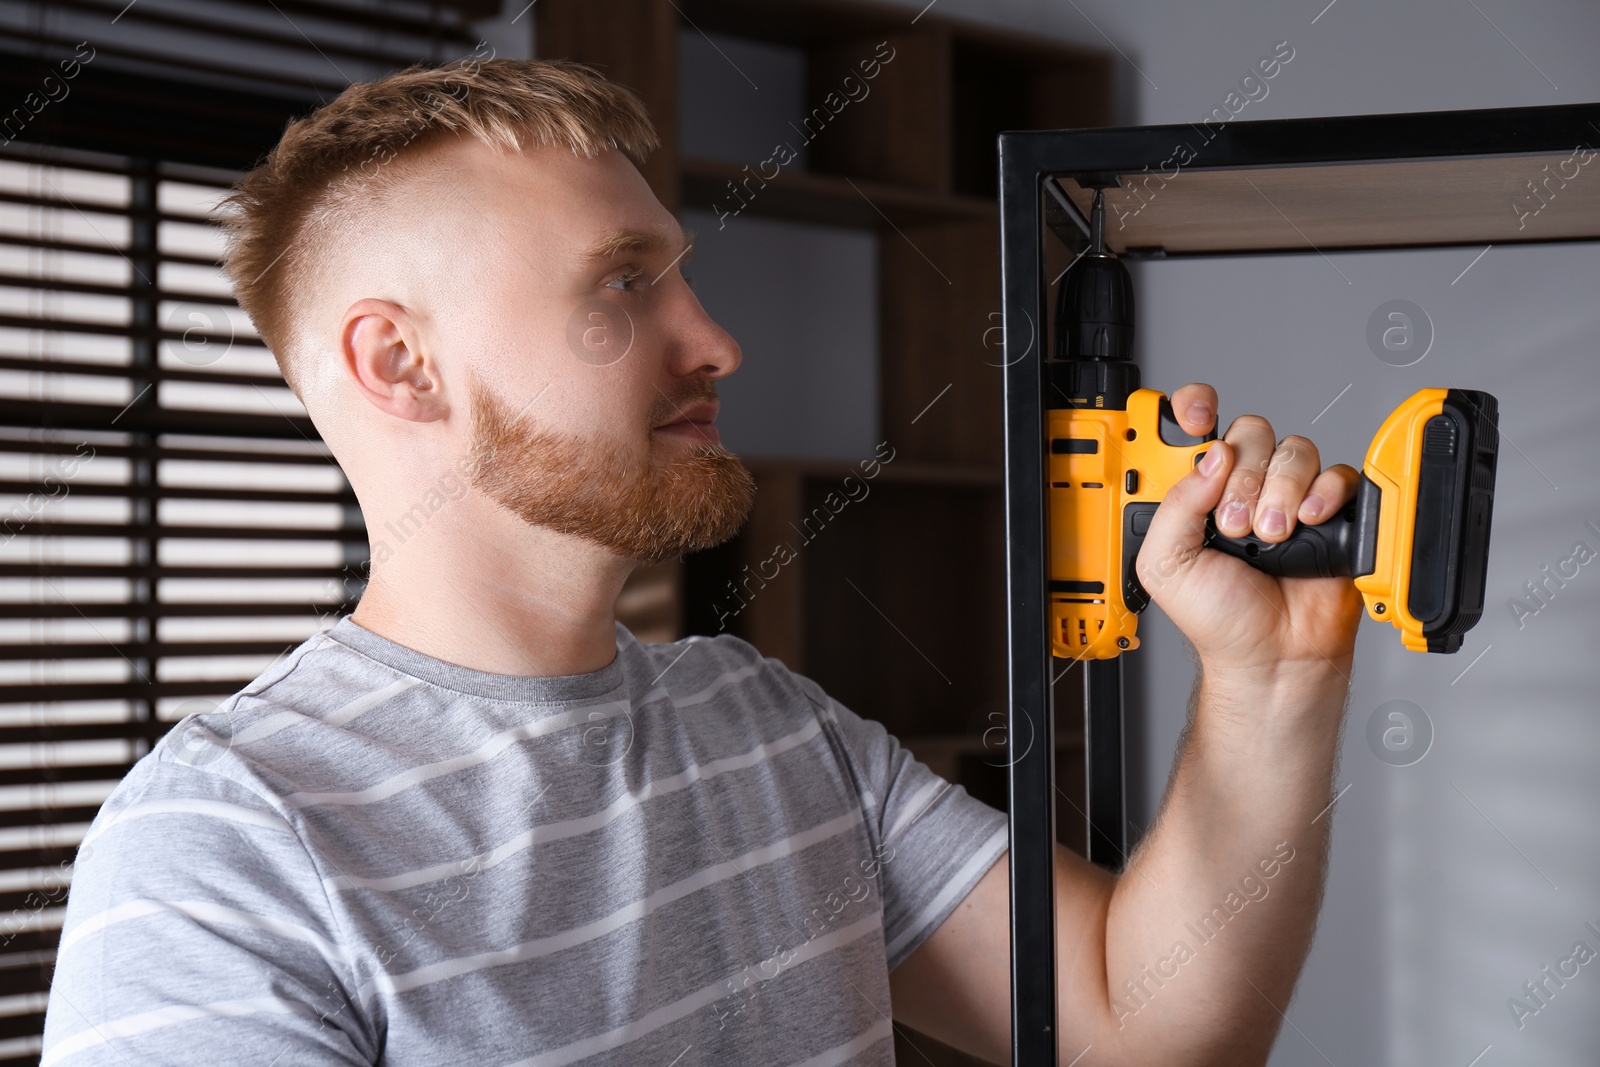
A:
(197, 931)
(1188, 956)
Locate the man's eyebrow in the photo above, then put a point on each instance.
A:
(616, 242)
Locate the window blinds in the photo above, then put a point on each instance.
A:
(170, 522)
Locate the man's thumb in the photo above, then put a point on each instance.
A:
(1178, 528)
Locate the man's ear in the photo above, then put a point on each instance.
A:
(382, 352)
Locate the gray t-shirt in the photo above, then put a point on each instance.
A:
(369, 855)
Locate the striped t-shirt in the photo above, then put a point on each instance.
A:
(369, 855)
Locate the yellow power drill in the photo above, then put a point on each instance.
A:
(1415, 539)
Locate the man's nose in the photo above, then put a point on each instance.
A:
(707, 348)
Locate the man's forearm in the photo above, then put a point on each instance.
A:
(1209, 926)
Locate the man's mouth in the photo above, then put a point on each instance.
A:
(693, 429)
(698, 422)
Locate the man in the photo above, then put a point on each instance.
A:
(478, 822)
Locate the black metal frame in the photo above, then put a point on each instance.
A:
(1028, 160)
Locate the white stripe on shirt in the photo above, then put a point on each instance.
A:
(981, 860)
(583, 824)
(361, 705)
(203, 910)
(482, 754)
(875, 1033)
(913, 808)
(341, 716)
(548, 946)
(144, 1022)
(678, 1009)
(709, 691)
(499, 743)
(219, 809)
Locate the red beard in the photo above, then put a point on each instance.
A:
(671, 507)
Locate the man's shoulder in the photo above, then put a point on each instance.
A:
(716, 669)
(318, 687)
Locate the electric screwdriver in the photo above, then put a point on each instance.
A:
(1415, 539)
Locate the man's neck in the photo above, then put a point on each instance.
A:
(534, 604)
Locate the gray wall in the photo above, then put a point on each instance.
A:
(800, 299)
(1456, 878)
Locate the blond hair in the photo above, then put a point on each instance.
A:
(337, 163)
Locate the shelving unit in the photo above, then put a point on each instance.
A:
(1366, 182)
(898, 608)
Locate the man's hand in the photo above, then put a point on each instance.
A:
(1240, 620)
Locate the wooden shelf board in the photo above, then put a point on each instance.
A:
(1464, 201)
(805, 196)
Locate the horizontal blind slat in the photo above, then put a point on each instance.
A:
(63, 46)
(92, 207)
(126, 650)
(230, 610)
(55, 245)
(31, 817)
(154, 374)
(30, 941)
(225, 30)
(185, 492)
(158, 570)
(152, 332)
(61, 285)
(158, 452)
(78, 731)
(191, 533)
(18, 1026)
(146, 419)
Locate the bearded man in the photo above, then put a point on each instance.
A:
(478, 822)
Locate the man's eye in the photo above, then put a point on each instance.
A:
(625, 282)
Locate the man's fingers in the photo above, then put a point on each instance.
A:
(1259, 485)
(1295, 463)
(1195, 405)
(1178, 530)
(1253, 443)
(1329, 492)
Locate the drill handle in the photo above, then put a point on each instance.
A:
(1321, 551)
(1340, 547)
